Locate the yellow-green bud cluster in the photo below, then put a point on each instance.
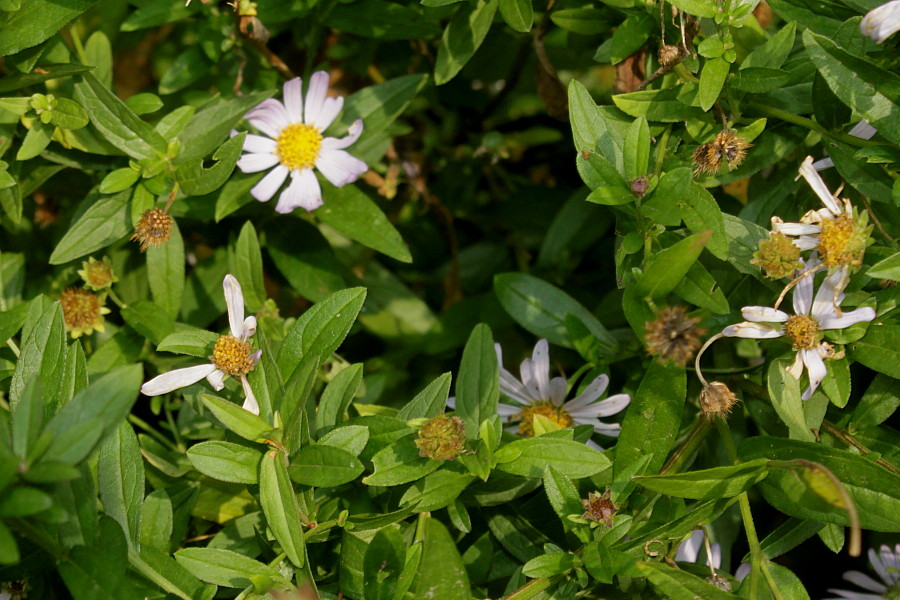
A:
(777, 256)
(442, 438)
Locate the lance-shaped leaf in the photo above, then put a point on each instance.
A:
(279, 504)
(478, 386)
(718, 482)
(197, 181)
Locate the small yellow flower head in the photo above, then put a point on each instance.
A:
(716, 400)
(727, 147)
(153, 229)
(232, 355)
(777, 256)
(82, 311)
(844, 239)
(97, 275)
(556, 414)
(669, 56)
(599, 508)
(442, 438)
(673, 335)
(803, 331)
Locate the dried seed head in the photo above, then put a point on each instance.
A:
(727, 147)
(82, 311)
(153, 229)
(777, 256)
(16, 590)
(599, 508)
(669, 56)
(716, 400)
(97, 275)
(673, 335)
(442, 438)
(720, 582)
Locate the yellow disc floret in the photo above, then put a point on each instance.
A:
(556, 414)
(298, 146)
(82, 311)
(843, 240)
(803, 331)
(232, 356)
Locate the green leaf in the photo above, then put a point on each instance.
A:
(699, 287)
(211, 124)
(637, 149)
(9, 549)
(120, 474)
(322, 327)
(586, 21)
(862, 86)
(156, 521)
(879, 349)
(712, 78)
(191, 341)
(548, 565)
(541, 308)
(784, 390)
(197, 181)
(37, 138)
(382, 20)
(324, 466)
(36, 21)
(462, 37)
(657, 105)
(159, 567)
(879, 402)
(107, 219)
(116, 122)
(428, 403)
(352, 438)
(244, 423)
(148, 319)
(437, 490)
(119, 180)
(188, 67)
(874, 490)
(653, 418)
(247, 267)
(743, 241)
(306, 260)
(666, 268)
(67, 114)
(718, 482)
(889, 268)
(337, 397)
(11, 321)
(383, 564)
(279, 504)
(760, 80)
(224, 567)
(49, 73)
(678, 584)
(698, 8)
(400, 463)
(226, 461)
(478, 386)
(165, 272)
(562, 494)
(155, 13)
(518, 14)
(145, 104)
(380, 105)
(442, 575)
(697, 207)
(352, 213)
(42, 355)
(531, 457)
(630, 36)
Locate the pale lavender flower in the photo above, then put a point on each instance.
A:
(887, 564)
(295, 145)
(882, 22)
(689, 550)
(231, 355)
(804, 328)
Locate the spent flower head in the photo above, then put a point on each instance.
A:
(598, 508)
(83, 311)
(805, 327)
(673, 335)
(232, 355)
(717, 400)
(442, 438)
(97, 274)
(154, 229)
(727, 147)
(294, 143)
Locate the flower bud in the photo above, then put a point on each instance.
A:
(442, 438)
(777, 256)
(97, 275)
(82, 311)
(599, 509)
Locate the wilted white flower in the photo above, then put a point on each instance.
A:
(861, 130)
(295, 145)
(882, 22)
(804, 328)
(231, 355)
(537, 394)
(887, 564)
(837, 232)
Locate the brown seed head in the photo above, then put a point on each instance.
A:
(442, 438)
(82, 311)
(669, 56)
(727, 147)
(599, 509)
(720, 582)
(716, 400)
(673, 335)
(153, 229)
(777, 256)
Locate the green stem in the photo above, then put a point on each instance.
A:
(771, 111)
(12, 346)
(683, 72)
(153, 433)
(37, 536)
(852, 441)
(661, 150)
(115, 298)
(179, 443)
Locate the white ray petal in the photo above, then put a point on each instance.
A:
(764, 314)
(315, 97)
(756, 331)
(173, 380)
(304, 191)
(339, 167)
(818, 186)
(254, 163)
(541, 367)
(216, 379)
(593, 391)
(250, 403)
(331, 108)
(293, 100)
(558, 388)
(353, 134)
(268, 185)
(796, 228)
(864, 581)
(249, 327)
(234, 299)
(689, 550)
(848, 318)
(259, 144)
(815, 368)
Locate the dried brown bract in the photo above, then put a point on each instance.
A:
(673, 335)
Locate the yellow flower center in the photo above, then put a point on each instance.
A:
(842, 241)
(547, 409)
(232, 356)
(82, 311)
(298, 146)
(803, 331)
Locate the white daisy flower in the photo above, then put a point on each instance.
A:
(231, 355)
(804, 328)
(538, 394)
(836, 232)
(295, 145)
(882, 22)
(861, 130)
(887, 564)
